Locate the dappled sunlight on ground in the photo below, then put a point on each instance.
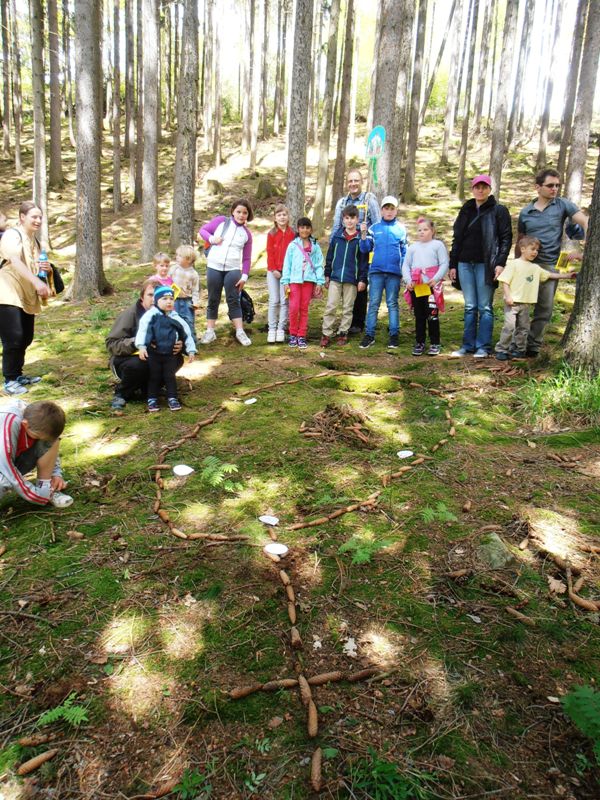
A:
(123, 634)
(555, 532)
(104, 449)
(141, 690)
(200, 368)
(180, 627)
(383, 648)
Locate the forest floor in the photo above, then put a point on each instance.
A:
(147, 633)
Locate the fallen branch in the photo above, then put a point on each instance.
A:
(582, 602)
(521, 617)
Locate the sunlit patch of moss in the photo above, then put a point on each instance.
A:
(124, 633)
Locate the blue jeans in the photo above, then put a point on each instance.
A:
(378, 281)
(479, 298)
(185, 309)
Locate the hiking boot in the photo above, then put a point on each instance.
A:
(302, 344)
(502, 357)
(153, 404)
(434, 350)
(393, 341)
(342, 339)
(517, 354)
(174, 404)
(367, 341)
(418, 349)
(293, 342)
(244, 340)
(325, 341)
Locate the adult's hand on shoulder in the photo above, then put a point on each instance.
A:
(452, 274)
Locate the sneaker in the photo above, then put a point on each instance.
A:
(461, 353)
(367, 341)
(481, 353)
(434, 350)
(325, 341)
(293, 342)
(244, 340)
(302, 345)
(25, 380)
(208, 336)
(153, 404)
(271, 337)
(418, 349)
(342, 339)
(355, 329)
(393, 340)
(517, 354)
(118, 403)
(280, 336)
(14, 387)
(61, 500)
(174, 404)
(502, 356)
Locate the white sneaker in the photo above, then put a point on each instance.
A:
(280, 336)
(208, 336)
(61, 500)
(271, 337)
(14, 387)
(240, 335)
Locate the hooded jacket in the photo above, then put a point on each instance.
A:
(345, 263)
(496, 232)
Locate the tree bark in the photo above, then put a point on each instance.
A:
(484, 53)
(340, 160)
(283, 73)
(584, 105)
(168, 70)
(432, 73)
(208, 77)
(401, 105)
(463, 58)
(297, 130)
(264, 71)
(40, 197)
(493, 81)
(374, 66)
(543, 145)
(278, 87)
(255, 48)
(315, 74)
(327, 119)
(452, 82)
(17, 101)
(184, 183)
(116, 116)
(501, 113)
(151, 114)
(247, 91)
(581, 341)
(566, 123)
(129, 93)
(55, 175)
(107, 55)
(524, 49)
(89, 280)
(462, 156)
(409, 193)
(5, 80)
(218, 94)
(68, 78)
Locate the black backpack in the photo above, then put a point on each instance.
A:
(247, 307)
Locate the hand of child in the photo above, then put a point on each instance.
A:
(277, 273)
(573, 275)
(574, 257)
(287, 290)
(327, 283)
(318, 291)
(191, 357)
(57, 483)
(509, 301)
(452, 274)
(216, 240)
(361, 286)
(363, 230)
(410, 286)
(432, 282)
(143, 353)
(498, 271)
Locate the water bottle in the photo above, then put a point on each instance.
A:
(42, 262)
(433, 309)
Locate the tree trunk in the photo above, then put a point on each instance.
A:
(433, 72)
(168, 71)
(566, 123)
(218, 95)
(89, 280)
(463, 58)
(297, 130)
(5, 80)
(524, 50)
(17, 101)
(39, 128)
(55, 175)
(501, 113)
(139, 121)
(340, 160)
(264, 71)
(581, 341)
(184, 182)
(176, 59)
(278, 87)
(374, 66)
(69, 101)
(208, 78)
(151, 113)
(326, 122)
(484, 52)
(339, 93)
(452, 82)
(315, 74)
(493, 80)
(282, 76)
(462, 156)
(543, 146)
(401, 105)
(116, 117)
(255, 49)
(409, 193)
(129, 93)
(107, 51)
(353, 96)
(585, 104)
(247, 91)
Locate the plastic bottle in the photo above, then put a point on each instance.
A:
(42, 261)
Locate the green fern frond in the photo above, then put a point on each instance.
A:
(67, 712)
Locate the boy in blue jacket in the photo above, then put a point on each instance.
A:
(346, 270)
(387, 239)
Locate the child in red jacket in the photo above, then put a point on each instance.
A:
(278, 239)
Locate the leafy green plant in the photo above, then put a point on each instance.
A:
(253, 781)
(67, 712)
(362, 549)
(568, 397)
(195, 785)
(263, 745)
(215, 474)
(377, 779)
(438, 514)
(582, 705)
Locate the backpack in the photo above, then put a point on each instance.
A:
(208, 245)
(247, 307)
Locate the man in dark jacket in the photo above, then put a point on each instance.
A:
(126, 365)
(480, 246)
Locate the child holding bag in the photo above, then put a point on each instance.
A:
(303, 276)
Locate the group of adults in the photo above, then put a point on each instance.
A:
(482, 239)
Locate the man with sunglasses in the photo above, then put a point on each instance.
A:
(544, 219)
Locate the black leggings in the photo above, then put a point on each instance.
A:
(16, 333)
(162, 369)
(215, 282)
(425, 316)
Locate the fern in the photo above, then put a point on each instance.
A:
(362, 549)
(438, 514)
(582, 705)
(215, 474)
(67, 712)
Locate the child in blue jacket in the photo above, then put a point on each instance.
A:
(387, 239)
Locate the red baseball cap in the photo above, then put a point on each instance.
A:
(481, 179)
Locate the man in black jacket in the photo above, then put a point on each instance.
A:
(480, 246)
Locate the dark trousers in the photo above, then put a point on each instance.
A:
(359, 312)
(162, 368)
(216, 281)
(16, 333)
(425, 316)
(133, 374)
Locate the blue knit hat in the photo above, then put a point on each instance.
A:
(162, 291)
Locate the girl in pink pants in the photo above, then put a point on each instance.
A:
(303, 277)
